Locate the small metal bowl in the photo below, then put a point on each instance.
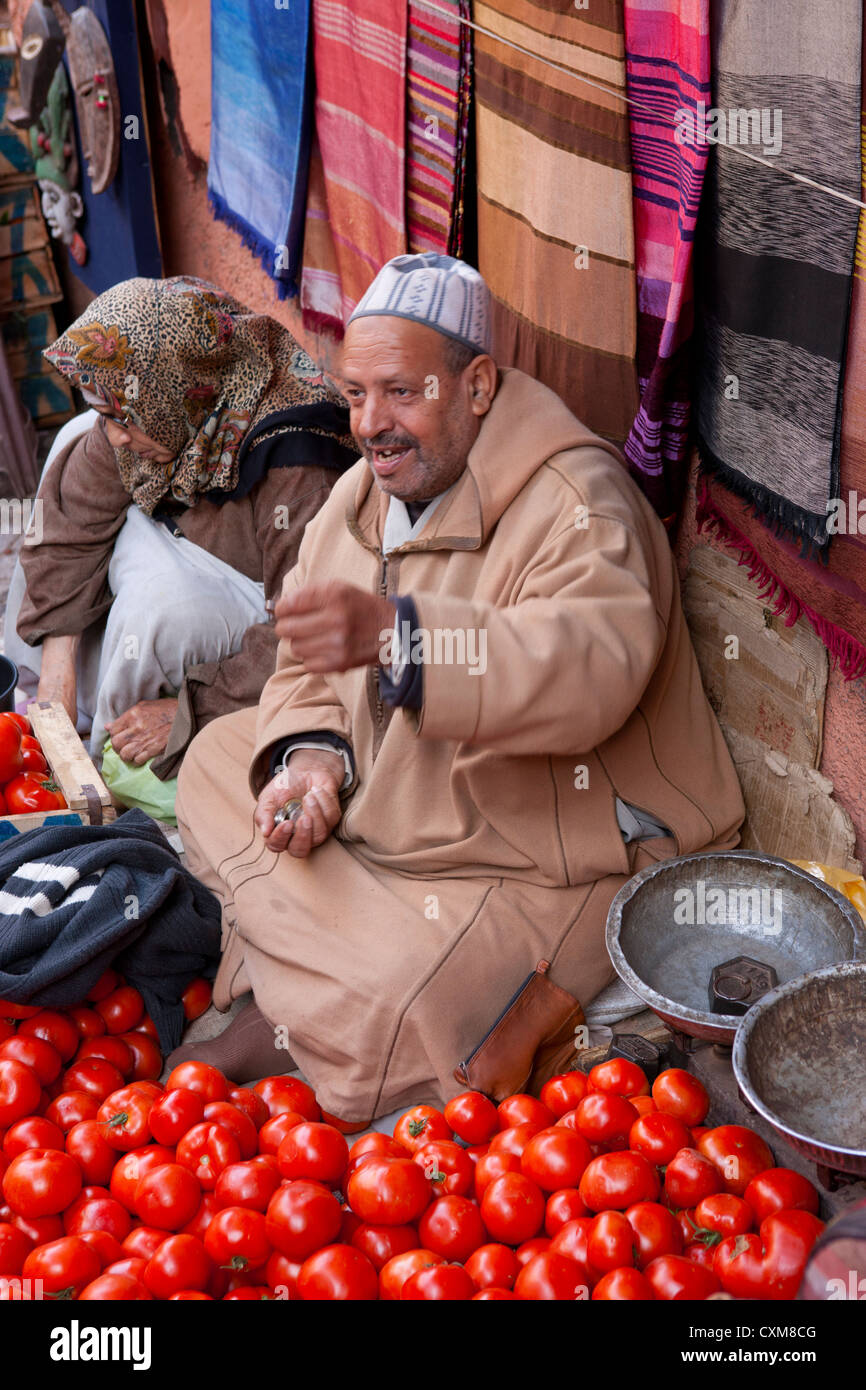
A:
(674, 921)
(800, 1060)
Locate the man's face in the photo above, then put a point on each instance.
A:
(413, 420)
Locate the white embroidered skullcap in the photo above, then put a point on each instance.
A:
(444, 293)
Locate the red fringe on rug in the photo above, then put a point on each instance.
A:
(843, 648)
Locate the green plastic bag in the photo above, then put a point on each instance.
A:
(136, 785)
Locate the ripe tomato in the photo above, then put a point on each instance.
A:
(95, 1076)
(71, 1108)
(237, 1237)
(620, 1077)
(563, 1206)
(123, 1118)
(522, 1109)
(31, 791)
(251, 1104)
(206, 1150)
(472, 1117)
(770, 1264)
(65, 1266)
(722, 1214)
(94, 1156)
(41, 1182)
(644, 1105)
(447, 1166)
(738, 1153)
(493, 1266)
(174, 1114)
(623, 1285)
(618, 1180)
(96, 1210)
(196, 998)
(54, 1028)
(274, 1131)
(38, 1229)
(452, 1227)
(556, 1158)
(88, 1023)
(677, 1279)
(605, 1118)
(564, 1092)
(146, 1056)
(23, 724)
(493, 1165)
(512, 1208)
(380, 1145)
(313, 1150)
(381, 1243)
(110, 1287)
(222, 1112)
(131, 1167)
(35, 1053)
(689, 1177)
(10, 1010)
(659, 1137)
(780, 1189)
(437, 1283)
(11, 760)
(338, 1273)
(33, 1132)
(167, 1197)
(251, 1183)
(514, 1139)
(14, 1248)
(388, 1192)
(303, 1217)
(551, 1276)
(121, 1010)
(281, 1275)
(113, 1050)
(33, 761)
(108, 981)
(493, 1295)
(610, 1244)
(143, 1242)
(655, 1231)
(204, 1215)
(419, 1126)
(678, 1093)
(283, 1093)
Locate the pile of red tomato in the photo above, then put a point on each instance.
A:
(25, 780)
(600, 1189)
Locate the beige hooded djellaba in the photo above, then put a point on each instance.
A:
(480, 834)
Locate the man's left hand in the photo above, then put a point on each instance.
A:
(142, 732)
(334, 627)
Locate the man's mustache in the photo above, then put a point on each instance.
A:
(389, 441)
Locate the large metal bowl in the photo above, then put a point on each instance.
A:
(800, 1059)
(796, 924)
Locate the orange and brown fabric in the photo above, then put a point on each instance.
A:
(555, 227)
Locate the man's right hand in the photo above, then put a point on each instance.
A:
(313, 776)
(57, 676)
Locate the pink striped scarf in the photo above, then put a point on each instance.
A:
(438, 61)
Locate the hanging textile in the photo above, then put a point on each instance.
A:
(321, 295)
(260, 133)
(438, 63)
(832, 594)
(776, 256)
(555, 234)
(668, 74)
(360, 111)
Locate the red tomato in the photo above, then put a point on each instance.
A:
(206, 1150)
(174, 1114)
(768, 1265)
(452, 1227)
(167, 1197)
(522, 1109)
(32, 791)
(701, 1254)
(493, 1295)
(143, 1242)
(38, 1229)
(722, 1214)
(200, 1077)
(72, 1108)
(123, 1118)
(250, 1103)
(344, 1126)
(556, 1158)
(222, 1112)
(678, 1093)
(10, 1010)
(196, 998)
(610, 1244)
(381, 1243)
(33, 1132)
(303, 1217)
(238, 1237)
(689, 1177)
(94, 1076)
(605, 1118)
(190, 1296)
(659, 1137)
(41, 1182)
(563, 1206)
(11, 759)
(618, 1180)
(114, 1287)
(284, 1093)
(447, 1166)
(677, 1279)
(644, 1105)
(247, 1184)
(107, 982)
(54, 1028)
(338, 1273)
(146, 1056)
(88, 1023)
(23, 724)
(472, 1117)
(94, 1156)
(780, 1189)
(113, 1050)
(530, 1248)
(107, 1247)
(564, 1092)
(515, 1139)
(96, 1213)
(204, 1214)
(14, 1249)
(273, 1132)
(32, 761)
(35, 1053)
(738, 1153)
(281, 1275)
(388, 1192)
(623, 1285)
(438, 1283)
(493, 1165)
(655, 1231)
(493, 1266)
(121, 1010)
(312, 1150)
(419, 1126)
(65, 1266)
(551, 1276)
(512, 1208)
(620, 1077)
(131, 1167)
(380, 1145)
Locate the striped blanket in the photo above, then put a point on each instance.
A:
(555, 236)
(260, 133)
(438, 81)
(776, 256)
(668, 73)
(360, 67)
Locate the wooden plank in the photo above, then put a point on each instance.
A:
(69, 760)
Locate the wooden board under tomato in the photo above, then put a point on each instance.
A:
(87, 798)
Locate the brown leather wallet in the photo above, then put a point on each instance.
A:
(532, 1040)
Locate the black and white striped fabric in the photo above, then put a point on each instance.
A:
(40, 887)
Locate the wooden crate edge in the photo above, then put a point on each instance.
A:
(70, 763)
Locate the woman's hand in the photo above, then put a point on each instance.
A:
(142, 732)
(313, 777)
(57, 680)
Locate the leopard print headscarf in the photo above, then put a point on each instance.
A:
(195, 370)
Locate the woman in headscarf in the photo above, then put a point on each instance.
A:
(167, 527)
